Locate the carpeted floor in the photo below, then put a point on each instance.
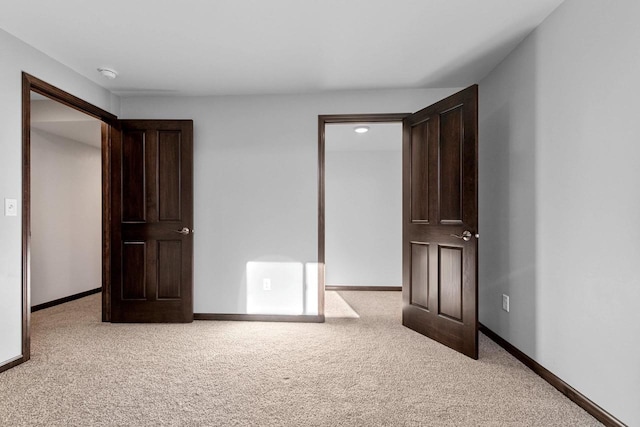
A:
(367, 371)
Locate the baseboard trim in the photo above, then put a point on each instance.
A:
(65, 299)
(260, 317)
(361, 288)
(15, 362)
(574, 395)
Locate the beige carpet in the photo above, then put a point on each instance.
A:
(347, 372)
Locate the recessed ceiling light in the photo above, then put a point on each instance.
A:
(361, 129)
(108, 73)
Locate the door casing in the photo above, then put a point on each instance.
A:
(322, 121)
(29, 84)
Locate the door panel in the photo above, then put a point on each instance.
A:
(132, 284)
(169, 262)
(420, 275)
(133, 171)
(450, 166)
(420, 173)
(152, 200)
(450, 282)
(169, 175)
(439, 205)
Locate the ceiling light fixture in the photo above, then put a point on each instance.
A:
(108, 73)
(361, 129)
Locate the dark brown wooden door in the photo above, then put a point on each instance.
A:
(152, 221)
(440, 221)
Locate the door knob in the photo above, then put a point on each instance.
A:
(466, 235)
(185, 231)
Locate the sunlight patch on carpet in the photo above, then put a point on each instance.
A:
(336, 307)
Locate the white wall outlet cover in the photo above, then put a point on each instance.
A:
(10, 207)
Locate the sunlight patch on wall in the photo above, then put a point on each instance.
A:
(275, 288)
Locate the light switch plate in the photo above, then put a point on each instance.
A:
(10, 207)
(505, 302)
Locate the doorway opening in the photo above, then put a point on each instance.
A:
(331, 130)
(66, 205)
(363, 206)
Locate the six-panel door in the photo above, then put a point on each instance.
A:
(152, 205)
(440, 221)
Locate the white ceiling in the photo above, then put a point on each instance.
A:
(278, 46)
(381, 137)
(58, 119)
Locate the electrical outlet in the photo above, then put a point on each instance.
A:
(10, 207)
(266, 284)
(505, 302)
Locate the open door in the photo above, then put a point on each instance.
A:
(440, 221)
(152, 221)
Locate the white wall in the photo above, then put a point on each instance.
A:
(17, 57)
(363, 216)
(559, 200)
(66, 217)
(255, 174)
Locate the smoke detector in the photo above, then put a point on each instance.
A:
(108, 73)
